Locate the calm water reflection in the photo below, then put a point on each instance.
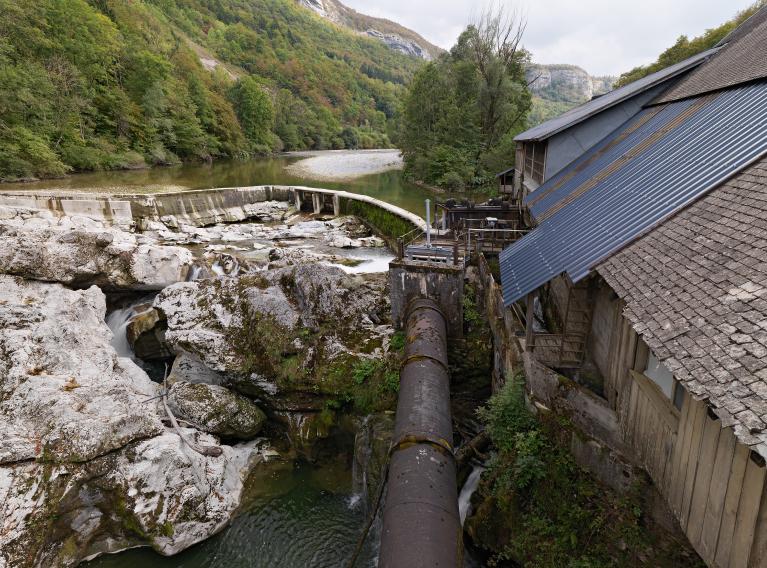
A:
(388, 186)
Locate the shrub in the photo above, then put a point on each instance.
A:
(507, 415)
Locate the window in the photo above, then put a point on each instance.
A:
(535, 160)
(657, 372)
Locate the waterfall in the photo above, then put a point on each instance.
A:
(217, 269)
(194, 273)
(464, 499)
(118, 321)
(360, 463)
(226, 265)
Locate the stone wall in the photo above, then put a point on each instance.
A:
(410, 280)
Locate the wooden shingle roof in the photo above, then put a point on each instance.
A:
(695, 290)
(741, 60)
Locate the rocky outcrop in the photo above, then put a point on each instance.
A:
(566, 83)
(397, 37)
(87, 465)
(81, 252)
(289, 336)
(401, 44)
(216, 410)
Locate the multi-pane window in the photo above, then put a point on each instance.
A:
(535, 160)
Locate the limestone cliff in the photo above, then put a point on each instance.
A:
(566, 83)
(392, 34)
(558, 88)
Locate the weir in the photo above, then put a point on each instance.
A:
(421, 522)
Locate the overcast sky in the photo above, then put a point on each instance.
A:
(605, 37)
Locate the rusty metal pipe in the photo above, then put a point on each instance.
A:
(421, 524)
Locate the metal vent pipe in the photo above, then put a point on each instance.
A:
(421, 524)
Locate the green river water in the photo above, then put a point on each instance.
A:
(388, 186)
(294, 514)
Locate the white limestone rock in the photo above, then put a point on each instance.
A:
(217, 410)
(86, 464)
(244, 328)
(107, 257)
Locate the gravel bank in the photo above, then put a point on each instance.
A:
(340, 165)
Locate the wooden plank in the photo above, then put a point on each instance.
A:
(731, 502)
(681, 444)
(663, 452)
(664, 408)
(748, 511)
(758, 558)
(708, 446)
(720, 476)
(692, 462)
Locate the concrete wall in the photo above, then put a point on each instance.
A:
(409, 280)
(196, 207)
(112, 210)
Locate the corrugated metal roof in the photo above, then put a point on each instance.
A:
(658, 168)
(608, 100)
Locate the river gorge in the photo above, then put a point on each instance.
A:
(273, 335)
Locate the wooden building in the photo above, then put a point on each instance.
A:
(648, 255)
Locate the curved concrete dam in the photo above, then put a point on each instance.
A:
(219, 205)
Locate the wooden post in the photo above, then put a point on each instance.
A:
(455, 253)
(564, 322)
(529, 317)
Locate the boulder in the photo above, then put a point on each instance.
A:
(87, 465)
(109, 258)
(146, 335)
(289, 336)
(216, 410)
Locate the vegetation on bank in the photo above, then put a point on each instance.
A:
(685, 47)
(463, 110)
(108, 84)
(539, 508)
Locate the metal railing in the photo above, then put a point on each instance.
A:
(491, 240)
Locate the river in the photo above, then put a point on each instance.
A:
(295, 514)
(388, 186)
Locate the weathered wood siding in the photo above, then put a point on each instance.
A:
(709, 480)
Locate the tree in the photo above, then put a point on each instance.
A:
(254, 109)
(462, 111)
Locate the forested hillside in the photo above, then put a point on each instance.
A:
(686, 47)
(103, 84)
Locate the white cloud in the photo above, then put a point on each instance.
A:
(602, 36)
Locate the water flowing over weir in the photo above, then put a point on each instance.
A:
(421, 521)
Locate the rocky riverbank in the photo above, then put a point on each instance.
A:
(272, 330)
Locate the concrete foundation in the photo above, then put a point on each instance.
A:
(441, 282)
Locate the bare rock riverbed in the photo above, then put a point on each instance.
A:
(262, 324)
